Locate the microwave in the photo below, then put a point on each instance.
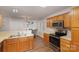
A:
(58, 24)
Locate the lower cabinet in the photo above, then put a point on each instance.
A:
(64, 45)
(46, 38)
(9, 45)
(23, 44)
(74, 48)
(17, 44)
(75, 40)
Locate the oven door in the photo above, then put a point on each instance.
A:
(55, 41)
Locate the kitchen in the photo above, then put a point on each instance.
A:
(58, 32)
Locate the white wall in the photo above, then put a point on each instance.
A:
(5, 26)
(40, 27)
(10, 24)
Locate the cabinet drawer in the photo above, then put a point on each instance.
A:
(65, 45)
(74, 48)
(10, 41)
(64, 41)
(65, 49)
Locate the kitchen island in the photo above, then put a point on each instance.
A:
(17, 43)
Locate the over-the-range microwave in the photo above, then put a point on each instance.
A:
(58, 24)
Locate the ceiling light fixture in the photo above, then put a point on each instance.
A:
(15, 10)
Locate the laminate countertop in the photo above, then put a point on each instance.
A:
(67, 37)
(7, 35)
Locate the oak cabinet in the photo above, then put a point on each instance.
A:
(18, 44)
(75, 35)
(31, 44)
(74, 48)
(75, 17)
(9, 45)
(75, 39)
(64, 45)
(75, 29)
(60, 17)
(49, 22)
(23, 44)
(1, 21)
(67, 20)
(46, 38)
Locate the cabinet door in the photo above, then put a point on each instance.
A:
(67, 20)
(75, 39)
(1, 21)
(46, 38)
(60, 17)
(64, 45)
(31, 44)
(74, 48)
(75, 35)
(49, 22)
(11, 48)
(23, 44)
(9, 45)
(54, 18)
(75, 17)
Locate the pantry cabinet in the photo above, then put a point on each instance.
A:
(75, 17)
(75, 40)
(75, 29)
(67, 20)
(1, 21)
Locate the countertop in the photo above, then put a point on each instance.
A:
(6, 35)
(67, 37)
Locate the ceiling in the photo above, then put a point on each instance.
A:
(34, 12)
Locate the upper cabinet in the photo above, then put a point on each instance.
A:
(75, 17)
(60, 17)
(67, 20)
(66, 17)
(1, 21)
(49, 22)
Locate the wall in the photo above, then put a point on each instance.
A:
(40, 28)
(6, 24)
(11, 24)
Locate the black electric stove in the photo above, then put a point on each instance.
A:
(55, 41)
